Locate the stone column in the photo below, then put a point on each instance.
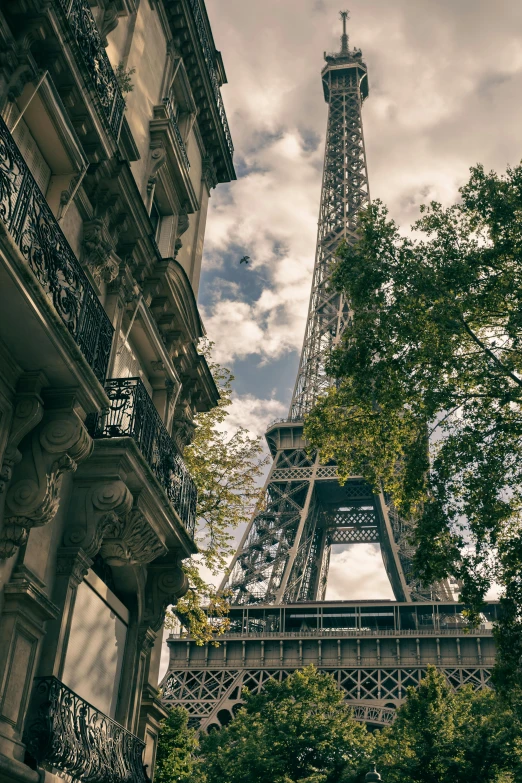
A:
(152, 711)
(48, 451)
(26, 608)
(166, 582)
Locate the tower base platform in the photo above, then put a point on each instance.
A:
(374, 649)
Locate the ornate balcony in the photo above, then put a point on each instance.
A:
(133, 414)
(34, 229)
(209, 61)
(66, 732)
(85, 32)
(177, 132)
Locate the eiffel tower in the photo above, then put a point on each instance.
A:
(278, 576)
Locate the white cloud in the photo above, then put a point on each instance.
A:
(357, 572)
(445, 82)
(273, 219)
(252, 413)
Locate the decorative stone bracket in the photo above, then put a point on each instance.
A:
(209, 174)
(105, 519)
(98, 251)
(55, 447)
(109, 20)
(130, 541)
(158, 156)
(183, 225)
(96, 509)
(184, 425)
(28, 413)
(166, 584)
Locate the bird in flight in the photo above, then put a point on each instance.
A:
(245, 260)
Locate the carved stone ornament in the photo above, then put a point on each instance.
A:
(158, 156)
(98, 251)
(209, 173)
(54, 448)
(109, 20)
(131, 541)
(178, 244)
(166, 584)
(183, 224)
(146, 638)
(183, 433)
(28, 413)
(16, 70)
(184, 426)
(72, 564)
(96, 507)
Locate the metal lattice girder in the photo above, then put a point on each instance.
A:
(375, 651)
(211, 695)
(344, 191)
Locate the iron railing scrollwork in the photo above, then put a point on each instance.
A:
(35, 230)
(209, 60)
(66, 732)
(177, 133)
(132, 413)
(87, 37)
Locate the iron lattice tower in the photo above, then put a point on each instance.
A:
(344, 191)
(280, 620)
(284, 555)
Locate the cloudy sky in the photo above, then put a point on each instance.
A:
(445, 93)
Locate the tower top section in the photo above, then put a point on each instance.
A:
(346, 62)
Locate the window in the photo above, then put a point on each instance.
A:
(128, 365)
(155, 218)
(163, 226)
(47, 140)
(30, 150)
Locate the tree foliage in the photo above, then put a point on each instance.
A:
(177, 745)
(460, 737)
(429, 392)
(295, 731)
(301, 731)
(226, 469)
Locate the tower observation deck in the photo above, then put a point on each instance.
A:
(283, 559)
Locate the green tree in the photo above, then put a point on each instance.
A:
(429, 392)
(440, 736)
(177, 745)
(226, 470)
(295, 731)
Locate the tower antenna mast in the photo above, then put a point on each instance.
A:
(345, 15)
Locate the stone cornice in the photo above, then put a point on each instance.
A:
(186, 31)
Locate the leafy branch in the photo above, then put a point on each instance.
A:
(226, 469)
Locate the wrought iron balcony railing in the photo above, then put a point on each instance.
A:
(209, 60)
(85, 32)
(33, 227)
(66, 732)
(177, 132)
(133, 414)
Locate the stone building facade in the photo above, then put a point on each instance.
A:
(104, 192)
